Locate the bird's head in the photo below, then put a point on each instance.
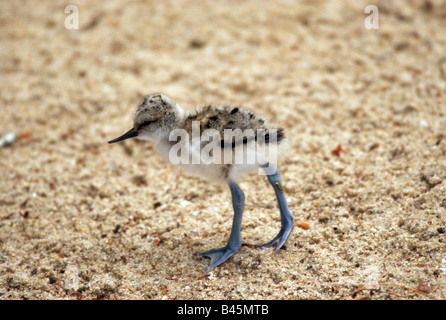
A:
(154, 118)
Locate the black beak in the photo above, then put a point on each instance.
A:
(129, 134)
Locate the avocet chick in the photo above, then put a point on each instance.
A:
(220, 143)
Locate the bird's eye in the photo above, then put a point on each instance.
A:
(144, 124)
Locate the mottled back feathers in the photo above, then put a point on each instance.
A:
(252, 127)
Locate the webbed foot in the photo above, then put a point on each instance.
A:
(218, 255)
(281, 237)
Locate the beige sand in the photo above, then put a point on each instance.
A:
(365, 116)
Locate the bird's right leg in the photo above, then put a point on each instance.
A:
(220, 255)
(286, 217)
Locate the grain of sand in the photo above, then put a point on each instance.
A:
(365, 117)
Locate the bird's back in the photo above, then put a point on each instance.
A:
(243, 126)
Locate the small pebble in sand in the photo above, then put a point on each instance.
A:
(72, 278)
(8, 139)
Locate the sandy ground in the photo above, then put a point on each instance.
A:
(365, 117)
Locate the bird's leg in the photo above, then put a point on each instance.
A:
(220, 255)
(286, 218)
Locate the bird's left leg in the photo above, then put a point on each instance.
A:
(220, 255)
(286, 217)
